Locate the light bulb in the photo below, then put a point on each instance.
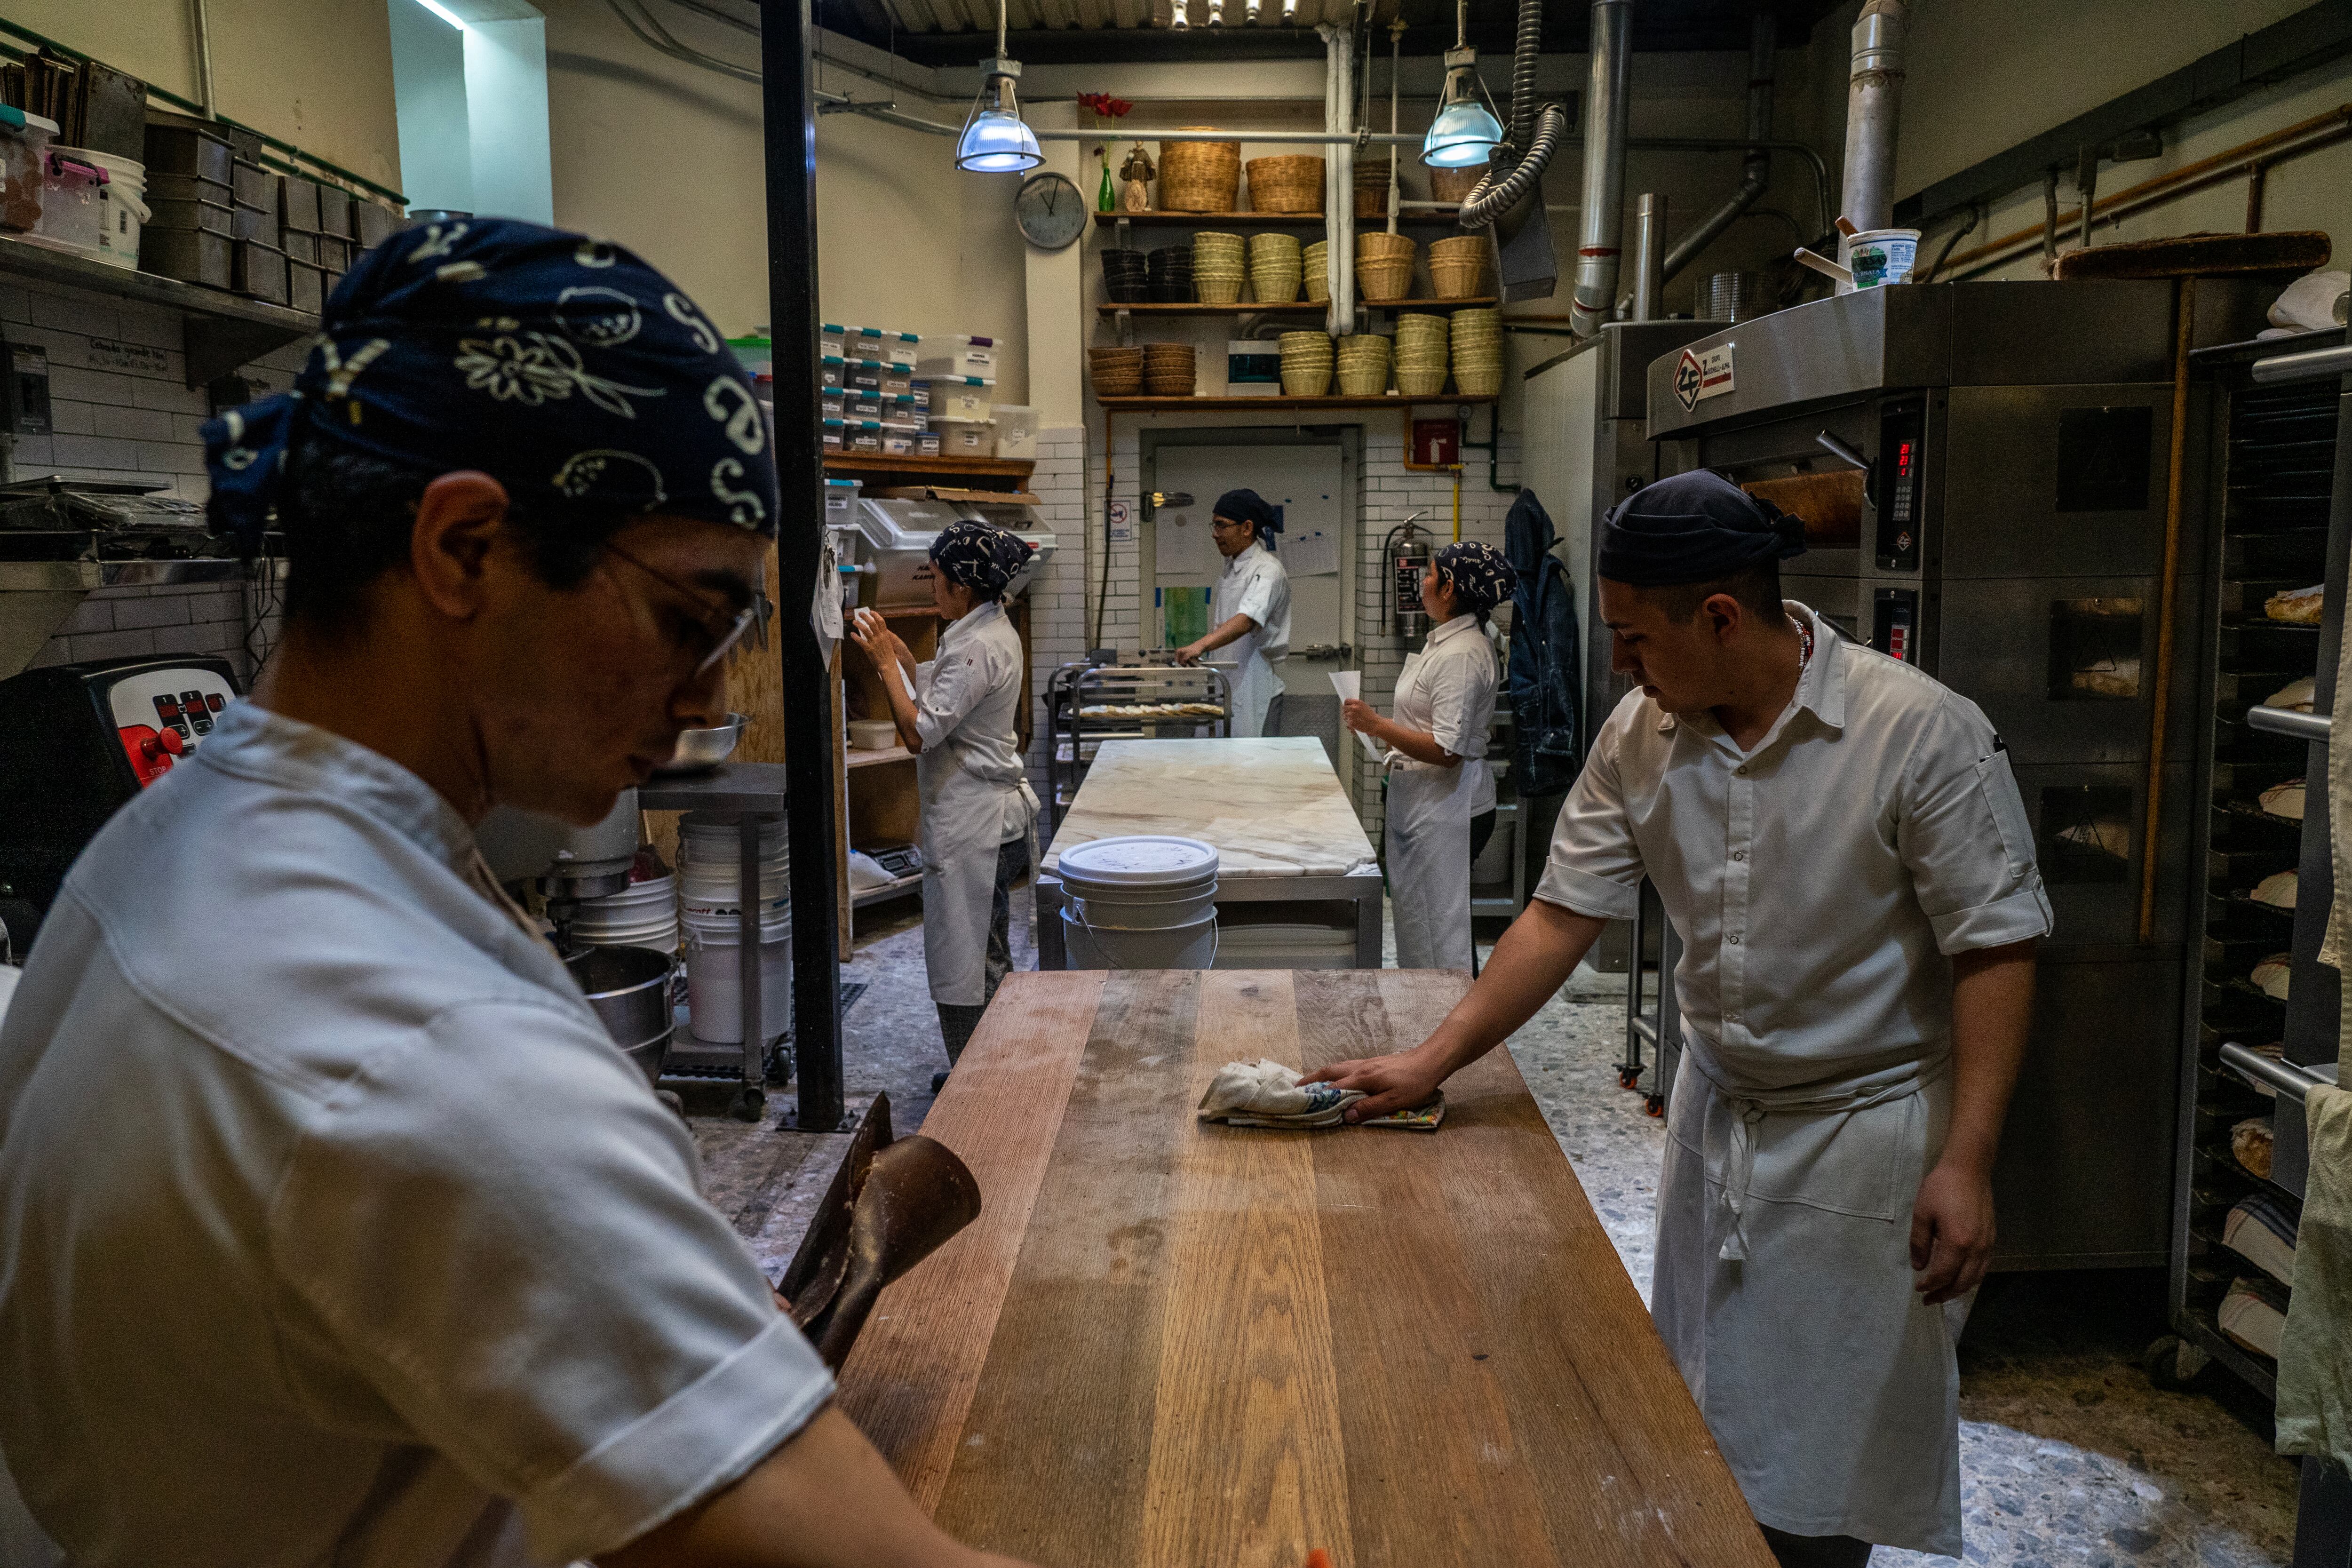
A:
(995, 141)
(1465, 132)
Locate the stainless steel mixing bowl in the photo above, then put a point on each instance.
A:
(700, 749)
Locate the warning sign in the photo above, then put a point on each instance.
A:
(1701, 374)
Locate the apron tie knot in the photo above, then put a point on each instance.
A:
(1736, 1176)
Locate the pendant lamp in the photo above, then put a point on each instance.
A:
(1465, 132)
(993, 140)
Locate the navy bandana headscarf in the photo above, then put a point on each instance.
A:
(1248, 506)
(979, 555)
(1482, 579)
(563, 367)
(1693, 528)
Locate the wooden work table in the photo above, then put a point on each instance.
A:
(1170, 1346)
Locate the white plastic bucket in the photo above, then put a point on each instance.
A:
(1878, 256)
(709, 871)
(714, 977)
(123, 209)
(73, 200)
(644, 914)
(1141, 901)
(1192, 946)
(1120, 908)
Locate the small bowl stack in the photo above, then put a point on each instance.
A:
(1217, 269)
(1454, 184)
(1167, 370)
(1275, 265)
(1315, 268)
(1384, 266)
(1420, 354)
(1124, 277)
(1117, 372)
(1169, 270)
(1477, 353)
(1363, 365)
(1372, 188)
(1458, 265)
(1306, 364)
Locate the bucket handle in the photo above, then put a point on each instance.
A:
(1217, 931)
(60, 163)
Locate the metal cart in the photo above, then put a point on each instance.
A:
(1659, 1025)
(1087, 704)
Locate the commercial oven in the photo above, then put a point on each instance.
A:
(1982, 469)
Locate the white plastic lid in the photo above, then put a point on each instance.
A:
(1139, 860)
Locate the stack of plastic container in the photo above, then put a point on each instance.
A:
(711, 894)
(960, 375)
(869, 396)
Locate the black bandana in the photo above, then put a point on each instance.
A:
(981, 556)
(1693, 528)
(1247, 506)
(1482, 579)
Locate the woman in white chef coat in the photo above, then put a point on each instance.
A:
(1249, 609)
(1441, 796)
(958, 712)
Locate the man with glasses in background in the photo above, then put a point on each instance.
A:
(1249, 609)
(333, 1226)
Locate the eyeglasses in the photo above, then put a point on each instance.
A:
(722, 633)
(1220, 525)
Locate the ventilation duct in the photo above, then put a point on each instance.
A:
(1763, 45)
(1874, 96)
(1602, 217)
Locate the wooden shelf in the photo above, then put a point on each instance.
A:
(1296, 308)
(858, 759)
(1270, 404)
(930, 468)
(220, 331)
(1444, 218)
(898, 889)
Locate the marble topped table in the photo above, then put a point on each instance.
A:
(1283, 828)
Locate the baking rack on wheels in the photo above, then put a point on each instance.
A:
(1154, 699)
(1655, 1022)
(2262, 1012)
(754, 794)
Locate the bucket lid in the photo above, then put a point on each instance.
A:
(1139, 860)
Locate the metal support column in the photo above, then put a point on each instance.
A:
(785, 52)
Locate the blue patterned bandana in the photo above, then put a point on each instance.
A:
(979, 555)
(564, 368)
(1482, 579)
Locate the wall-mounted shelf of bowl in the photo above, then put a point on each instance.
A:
(1420, 218)
(219, 330)
(1296, 308)
(1279, 405)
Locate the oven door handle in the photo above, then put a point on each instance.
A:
(1844, 453)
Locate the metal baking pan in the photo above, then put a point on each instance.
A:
(306, 285)
(189, 188)
(298, 246)
(334, 253)
(334, 211)
(258, 271)
(372, 222)
(252, 223)
(191, 149)
(298, 203)
(255, 186)
(190, 254)
(169, 212)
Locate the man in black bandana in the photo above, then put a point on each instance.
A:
(1840, 844)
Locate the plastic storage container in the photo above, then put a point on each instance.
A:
(24, 141)
(1016, 430)
(124, 207)
(73, 200)
(714, 977)
(967, 438)
(957, 356)
(961, 396)
(1141, 901)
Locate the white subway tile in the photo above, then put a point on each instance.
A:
(105, 454)
(113, 644)
(75, 313)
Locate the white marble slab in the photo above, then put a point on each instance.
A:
(1271, 805)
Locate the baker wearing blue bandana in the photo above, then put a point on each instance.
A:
(333, 1225)
(1441, 794)
(1839, 843)
(1249, 609)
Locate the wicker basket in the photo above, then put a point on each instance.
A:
(1117, 372)
(1314, 270)
(1285, 184)
(1168, 369)
(1457, 266)
(1454, 184)
(1307, 358)
(1199, 176)
(1273, 268)
(1384, 266)
(1363, 362)
(1372, 189)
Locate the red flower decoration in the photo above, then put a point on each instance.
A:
(1105, 104)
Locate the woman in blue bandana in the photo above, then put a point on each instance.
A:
(960, 713)
(1440, 793)
(1249, 609)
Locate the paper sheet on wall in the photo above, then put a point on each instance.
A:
(1313, 555)
(1349, 685)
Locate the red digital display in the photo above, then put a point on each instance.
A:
(1902, 460)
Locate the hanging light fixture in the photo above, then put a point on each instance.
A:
(1289, 12)
(1177, 20)
(1217, 13)
(1465, 132)
(993, 140)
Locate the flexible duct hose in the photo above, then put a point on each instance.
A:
(1536, 129)
(1525, 49)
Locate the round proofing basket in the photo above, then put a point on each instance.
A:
(1199, 176)
(1420, 380)
(1217, 288)
(1315, 271)
(1306, 381)
(1420, 327)
(1363, 363)
(1454, 184)
(1371, 194)
(1307, 358)
(1290, 183)
(1275, 285)
(1284, 248)
(1384, 266)
(1209, 248)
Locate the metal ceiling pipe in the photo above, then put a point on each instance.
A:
(1340, 170)
(1602, 225)
(1763, 45)
(1649, 256)
(1874, 100)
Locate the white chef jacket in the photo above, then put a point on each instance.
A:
(975, 792)
(333, 1226)
(1447, 690)
(1253, 585)
(1819, 883)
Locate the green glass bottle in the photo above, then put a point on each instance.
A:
(1108, 200)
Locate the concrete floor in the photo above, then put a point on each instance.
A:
(2067, 1454)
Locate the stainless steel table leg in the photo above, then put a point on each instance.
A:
(1045, 893)
(1367, 924)
(751, 968)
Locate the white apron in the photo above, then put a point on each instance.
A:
(975, 796)
(1430, 808)
(1783, 1288)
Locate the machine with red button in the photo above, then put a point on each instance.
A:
(76, 741)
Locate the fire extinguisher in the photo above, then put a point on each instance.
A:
(1408, 552)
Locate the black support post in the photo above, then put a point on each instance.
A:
(791, 141)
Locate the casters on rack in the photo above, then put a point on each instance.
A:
(779, 1065)
(749, 1104)
(1629, 1074)
(1653, 1105)
(2173, 1363)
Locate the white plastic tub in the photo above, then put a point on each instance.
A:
(1190, 946)
(714, 976)
(1139, 901)
(1878, 256)
(1016, 430)
(73, 200)
(643, 914)
(958, 356)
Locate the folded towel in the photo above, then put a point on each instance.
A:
(2284, 800)
(1267, 1094)
(2260, 1230)
(2315, 1382)
(2253, 1322)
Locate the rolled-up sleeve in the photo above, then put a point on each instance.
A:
(1964, 837)
(1462, 703)
(1595, 867)
(1257, 599)
(947, 690)
(500, 1233)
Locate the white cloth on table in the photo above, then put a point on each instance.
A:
(1265, 1093)
(974, 793)
(333, 1227)
(1819, 883)
(1253, 585)
(1447, 689)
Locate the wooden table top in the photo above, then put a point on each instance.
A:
(1272, 804)
(1184, 1346)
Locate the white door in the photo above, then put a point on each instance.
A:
(1181, 563)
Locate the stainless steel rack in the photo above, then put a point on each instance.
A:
(1156, 680)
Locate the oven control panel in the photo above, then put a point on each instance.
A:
(162, 715)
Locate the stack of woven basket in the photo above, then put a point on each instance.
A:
(1372, 188)
(1363, 365)
(1118, 373)
(1168, 274)
(1199, 176)
(1419, 354)
(1454, 184)
(1274, 267)
(1384, 266)
(1306, 364)
(1285, 184)
(1124, 278)
(1315, 267)
(1167, 370)
(1457, 266)
(1217, 270)
(1477, 353)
